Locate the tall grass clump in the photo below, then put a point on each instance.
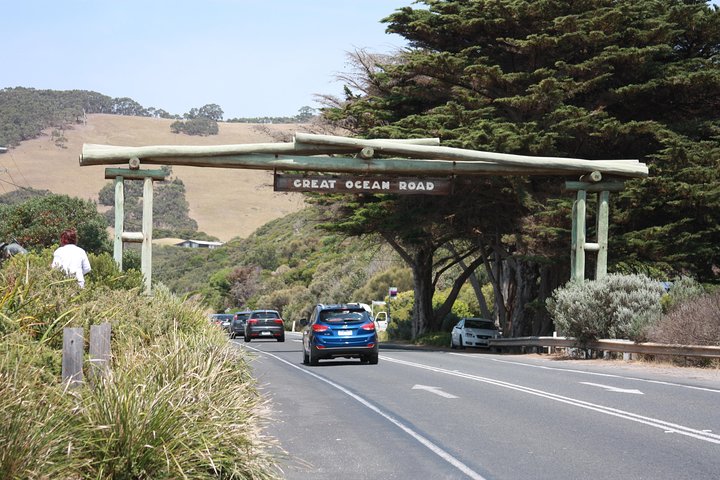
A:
(617, 306)
(178, 400)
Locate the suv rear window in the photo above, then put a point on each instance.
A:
(265, 315)
(341, 316)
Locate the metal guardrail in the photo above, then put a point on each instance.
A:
(622, 346)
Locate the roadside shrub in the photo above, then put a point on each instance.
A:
(400, 325)
(179, 400)
(617, 306)
(106, 272)
(694, 321)
(437, 339)
(682, 290)
(36, 426)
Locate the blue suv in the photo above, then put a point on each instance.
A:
(335, 331)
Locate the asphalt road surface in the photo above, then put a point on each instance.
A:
(421, 415)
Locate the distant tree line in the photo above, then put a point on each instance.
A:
(199, 121)
(26, 112)
(305, 114)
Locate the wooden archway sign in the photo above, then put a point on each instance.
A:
(335, 154)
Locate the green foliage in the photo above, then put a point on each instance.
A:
(597, 80)
(617, 306)
(200, 126)
(400, 325)
(176, 389)
(202, 121)
(38, 222)
(105, 272)
(305, 114)
(376, 288)
(684, 289)
(437, 339)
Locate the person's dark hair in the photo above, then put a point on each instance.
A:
(68, 236)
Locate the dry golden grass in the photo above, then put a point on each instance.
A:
(226, 203)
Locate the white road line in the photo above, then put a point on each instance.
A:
(610, 388)
(435, 390)
(424, 441)
(609, 375)
(653, 422)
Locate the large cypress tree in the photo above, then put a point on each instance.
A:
(596, 79)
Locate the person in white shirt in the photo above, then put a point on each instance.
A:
(70, 258)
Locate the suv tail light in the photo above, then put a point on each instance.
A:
(252, 321)
(279, 321)
(320, 328)
(369, 327)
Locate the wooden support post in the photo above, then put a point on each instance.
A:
(72, 356)
(119, 221)
(603, 214)
(99, 351)
(577, 272)
(147, 225)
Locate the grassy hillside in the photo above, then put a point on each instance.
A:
(226, 203)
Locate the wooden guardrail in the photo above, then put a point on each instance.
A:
(620, 346)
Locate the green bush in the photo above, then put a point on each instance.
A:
(618, 306)
(178, 401)
(682, 290)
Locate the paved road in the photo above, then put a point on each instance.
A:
(445, 415)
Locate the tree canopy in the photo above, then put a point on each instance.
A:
(596, 79)
(38, 222)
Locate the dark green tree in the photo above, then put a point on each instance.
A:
(38, 222)
(596, 79)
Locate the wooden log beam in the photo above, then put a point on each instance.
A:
(606, 186)
(630, 168)
(341, 164)
(94, 154)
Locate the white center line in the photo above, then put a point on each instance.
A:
(653, 422)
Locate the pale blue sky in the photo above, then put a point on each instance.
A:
(251, 57)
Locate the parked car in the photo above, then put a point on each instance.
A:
(237, 325)
(473, 332)
(265, 324)
(334, 331)
(222, 320)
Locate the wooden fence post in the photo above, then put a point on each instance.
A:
(72, 358)
(99, 351)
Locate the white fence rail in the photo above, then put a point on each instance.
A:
(621, 346)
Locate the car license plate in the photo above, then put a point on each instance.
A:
(344, 333)
(265, 333)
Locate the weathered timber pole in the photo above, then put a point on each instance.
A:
(579, 244)
(631, 168)
(335, 164)
(147, 226)
(603, 226)
(145, 237)
(447, 160)
(119, 221)
(93, 154)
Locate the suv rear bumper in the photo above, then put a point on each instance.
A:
(344, 351)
